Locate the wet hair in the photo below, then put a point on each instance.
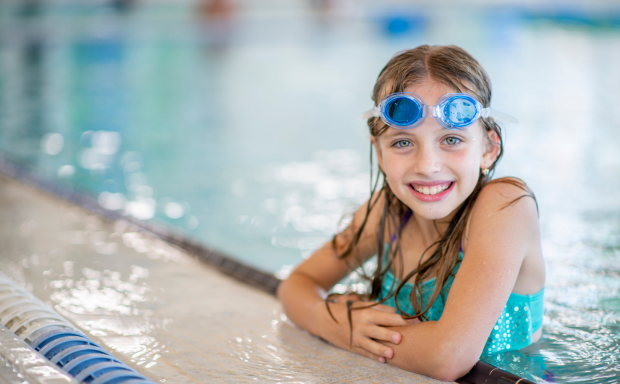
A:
(455, 68)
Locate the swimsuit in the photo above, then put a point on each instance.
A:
(521, 317)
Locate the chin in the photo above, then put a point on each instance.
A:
(431, 213)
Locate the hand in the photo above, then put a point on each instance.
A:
(342, 299)
(369, 326)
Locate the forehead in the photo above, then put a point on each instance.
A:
(430, 91)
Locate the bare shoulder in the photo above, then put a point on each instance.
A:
(505, 207)
(507, 193)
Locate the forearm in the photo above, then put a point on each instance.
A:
(304, 303)
(429, 349)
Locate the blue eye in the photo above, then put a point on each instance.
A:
(452, 140)
(402, 143)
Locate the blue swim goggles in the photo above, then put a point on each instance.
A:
(455, 111)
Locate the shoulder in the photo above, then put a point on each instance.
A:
(506, 193)
(504, 207)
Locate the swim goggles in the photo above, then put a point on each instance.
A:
(455, 111)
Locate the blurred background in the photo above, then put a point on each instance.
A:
(237, 124)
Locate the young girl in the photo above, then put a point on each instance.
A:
(460, 271)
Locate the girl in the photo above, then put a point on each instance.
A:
(460, 271)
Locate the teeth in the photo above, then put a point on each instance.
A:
(431, 190)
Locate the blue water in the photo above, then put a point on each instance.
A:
(243, 133)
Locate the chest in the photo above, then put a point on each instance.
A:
(414, 248)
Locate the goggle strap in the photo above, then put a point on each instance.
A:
(370, 113)
(488, 112)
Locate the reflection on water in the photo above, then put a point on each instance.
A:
(238, 126)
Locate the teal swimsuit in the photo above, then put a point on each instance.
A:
(521, 317)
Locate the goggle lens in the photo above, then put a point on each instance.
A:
(403, 111)
(459, 111)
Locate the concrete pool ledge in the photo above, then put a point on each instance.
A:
(156, 305)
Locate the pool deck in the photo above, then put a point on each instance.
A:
(158, 308)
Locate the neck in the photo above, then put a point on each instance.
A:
(432, 230)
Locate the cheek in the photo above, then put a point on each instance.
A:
(468, 165)
(469, 158)
(393, 169)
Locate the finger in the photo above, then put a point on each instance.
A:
(387, 319)
(376, 348)
(388, 309)
(384, 334)
(364, 352)
(384, 308)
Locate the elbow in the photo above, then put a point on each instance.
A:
(452, 372)
(453, 362)
(281, 289)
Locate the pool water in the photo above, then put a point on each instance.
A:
(242, 131)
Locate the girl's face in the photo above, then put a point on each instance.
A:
(432, 169)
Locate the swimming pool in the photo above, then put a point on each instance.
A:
(249, 141)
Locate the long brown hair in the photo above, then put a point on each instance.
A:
(457, 69)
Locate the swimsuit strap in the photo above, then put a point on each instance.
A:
(406, 218)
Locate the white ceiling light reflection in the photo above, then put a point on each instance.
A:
(143, 209)
(52, 143)
(174, 210)
(112, 201)
(106, 142)
(99, 292)
(65, 171)
(103, 146)
(112, 309)
(192, 222)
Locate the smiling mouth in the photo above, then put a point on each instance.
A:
(432, 190)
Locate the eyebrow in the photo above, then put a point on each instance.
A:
(410, 131)
(390, 133)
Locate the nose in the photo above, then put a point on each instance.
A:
(427, 160)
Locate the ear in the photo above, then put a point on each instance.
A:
(375, 144)
(491, 150)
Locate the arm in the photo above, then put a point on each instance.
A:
(499, 239)
(302, 295)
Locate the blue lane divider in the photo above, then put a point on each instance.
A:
(52, 335)
(60, 341)
(78, 364)
(84, 359)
